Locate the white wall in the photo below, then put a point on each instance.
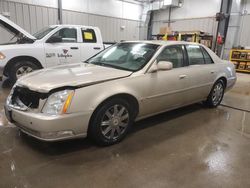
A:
(47, 3)
(113, 8)
(191, 9)
(36, 15)
(247, 6)
(197, 9)
(193, 15)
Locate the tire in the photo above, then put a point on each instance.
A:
(109, 126)
(216, 94)
(15, 71)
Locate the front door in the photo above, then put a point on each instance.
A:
(64, 52)
(166, 89)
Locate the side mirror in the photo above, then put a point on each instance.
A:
(54, 39)
(161, 65)
(164, 65)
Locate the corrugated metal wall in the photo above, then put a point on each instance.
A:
(109, 26)
(245, 31)
(196, 24)
(201, 24)
(32, 18)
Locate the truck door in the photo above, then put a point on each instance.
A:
(62, 47)
(90, 44)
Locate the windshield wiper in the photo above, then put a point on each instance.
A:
(102, 64)
(109, 65)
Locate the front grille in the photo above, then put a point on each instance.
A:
(24, 97)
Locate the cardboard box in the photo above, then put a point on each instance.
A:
(235, 64)
(248, 66)
(242, 66)
(164, 30)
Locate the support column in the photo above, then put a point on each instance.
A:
(150, 24)
(60, 21)
(223, 20)
(234, 27)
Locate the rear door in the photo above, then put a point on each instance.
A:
(89, 43)
(64, 52)
(200, 73)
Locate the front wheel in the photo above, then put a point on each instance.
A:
(216, 94)
(111, 122)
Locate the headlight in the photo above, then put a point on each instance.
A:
(58, 103)
(2, 56)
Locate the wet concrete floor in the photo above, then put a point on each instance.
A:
(189, 147)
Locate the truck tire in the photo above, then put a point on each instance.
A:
(21, 68)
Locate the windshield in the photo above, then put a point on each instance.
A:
(43, 32)
(126, 56)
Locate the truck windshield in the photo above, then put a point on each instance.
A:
(43, 32)
(125, 56)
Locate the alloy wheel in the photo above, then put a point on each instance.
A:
(23, 70)
(114, 122)
(217, 93)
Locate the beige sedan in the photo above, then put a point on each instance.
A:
(103, 96)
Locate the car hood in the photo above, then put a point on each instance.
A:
(74, 75)
(14, 28)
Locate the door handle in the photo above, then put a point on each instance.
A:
(182, 76)
(74, 48)
(97, 48)
(212, 72)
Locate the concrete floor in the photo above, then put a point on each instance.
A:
(188, 147)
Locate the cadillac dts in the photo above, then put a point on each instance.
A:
(103, 96)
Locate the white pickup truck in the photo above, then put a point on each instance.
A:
(53, 45)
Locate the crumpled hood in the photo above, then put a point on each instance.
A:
(75, 75)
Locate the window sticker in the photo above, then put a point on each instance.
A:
(88, 35)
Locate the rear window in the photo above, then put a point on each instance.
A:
(195, 55)
(208, 59)
(88, 36)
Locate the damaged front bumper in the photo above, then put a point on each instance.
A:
(49, 128)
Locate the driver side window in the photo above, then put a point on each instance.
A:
(173, 54)
(68, 35)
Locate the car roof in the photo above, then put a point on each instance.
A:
(68, 25)
(161, 42)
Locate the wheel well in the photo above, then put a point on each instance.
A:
(224, 81)
(130, 98)
(20, 58)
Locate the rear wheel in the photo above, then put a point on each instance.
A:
(21, 68)
(216, 94)
(111, 122)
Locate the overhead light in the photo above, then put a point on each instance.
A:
(180, 4)
(167, 2)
